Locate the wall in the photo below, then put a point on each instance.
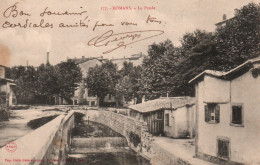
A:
(2, 72)
(123, 125)
(171, 130)
(49, 142)
(216, 90)
(182, 122)
(244, 141)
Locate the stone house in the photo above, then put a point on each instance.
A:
(227, 114)
(169, 116)
(7, 97)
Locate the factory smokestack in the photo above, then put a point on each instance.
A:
(48, 62)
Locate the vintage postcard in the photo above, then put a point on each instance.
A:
(126, 82)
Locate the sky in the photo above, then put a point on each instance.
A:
(174, 18)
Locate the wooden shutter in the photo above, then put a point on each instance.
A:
(217, 113)
(207, 113)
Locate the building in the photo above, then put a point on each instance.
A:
(170, 116)
(226, 20)
(82, 94)
(227, 114)
(7, 97)
(136, 59)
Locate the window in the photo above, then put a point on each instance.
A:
(223, 148)
(92, 103)
(237, 115)
(167, 120)
(212, 113)
(159, 115)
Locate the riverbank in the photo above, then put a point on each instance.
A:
(17, 127)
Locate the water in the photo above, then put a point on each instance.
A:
(110, 148)
(118, 158)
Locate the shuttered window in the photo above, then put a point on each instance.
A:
(212, 113)
(167, 120)
(223, 148)
(237, 114)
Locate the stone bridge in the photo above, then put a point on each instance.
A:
(51, 143)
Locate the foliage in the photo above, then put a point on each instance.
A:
(238, 40)
(134, 138)
(168, 69)
(127, 87)
(39, 85)
(101, 80)
(69, 76)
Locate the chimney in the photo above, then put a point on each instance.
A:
(143, 99)
(236, 11)
(48, 62)
(224, 17)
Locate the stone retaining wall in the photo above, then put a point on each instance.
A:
(48, 144)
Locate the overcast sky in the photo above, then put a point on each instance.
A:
(17, 45)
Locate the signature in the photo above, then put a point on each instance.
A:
(122, 40)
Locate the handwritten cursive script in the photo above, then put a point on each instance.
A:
(122, 40)
(14, 12)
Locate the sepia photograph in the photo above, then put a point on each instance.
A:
(129, 82)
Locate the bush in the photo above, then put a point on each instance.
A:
(134, 138)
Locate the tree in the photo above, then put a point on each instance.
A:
(102, 79)
(157, 69)
(238, 40)
(128, 85)
(69, 76)
(39, 86)
(48, 85)
(26, 82)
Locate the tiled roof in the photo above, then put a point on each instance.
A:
(163, 103)
(229, 74)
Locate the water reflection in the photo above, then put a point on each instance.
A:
(122, 158)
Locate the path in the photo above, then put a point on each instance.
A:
(183, 149)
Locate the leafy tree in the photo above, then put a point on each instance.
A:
(156, 77)
(48, 85)
(34, 86)
(68, 76)
(238, 40)
(128, 85)
(102, 79)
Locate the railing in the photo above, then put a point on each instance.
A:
(48, 144)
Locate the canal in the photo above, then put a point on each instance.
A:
(97, 144)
